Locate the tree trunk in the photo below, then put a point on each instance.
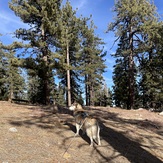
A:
(86, 91)
(68, 76)
(131, 71)
(46, 95)
(11, 91)
(91, 94)
(11, 94)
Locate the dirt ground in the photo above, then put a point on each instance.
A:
(33, 134)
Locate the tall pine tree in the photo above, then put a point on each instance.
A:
(68, 47)
(42, 18)
(92, 62)
(136, 19)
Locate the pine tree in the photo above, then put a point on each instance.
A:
(12, 83)
(138, 20)
(92, 62)
(68, 46)
(151, 72)
(158, 69)
(59, 95)
(103, 96)
(15, 78)
(3, 74)
(121, 75)
(42, 17)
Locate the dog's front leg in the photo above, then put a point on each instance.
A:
(83, 131)
(77, 129)
(91, 143)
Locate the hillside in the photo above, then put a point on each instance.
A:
(33, 134)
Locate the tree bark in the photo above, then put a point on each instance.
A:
(68, 75)
(86, 91)
(45, 70)
(131, 71)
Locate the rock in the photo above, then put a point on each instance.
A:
(141, 109)
(151, 109)
(13, 129)
(66, 155)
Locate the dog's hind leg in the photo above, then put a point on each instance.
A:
(96, 133)
(90, 135)
(98, 136)
(77, 129)
(91, 139)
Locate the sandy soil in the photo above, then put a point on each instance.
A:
(33, 134)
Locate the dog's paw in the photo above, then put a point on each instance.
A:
(91, 145)
(76, 134)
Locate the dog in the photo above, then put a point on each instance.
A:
(87, 123)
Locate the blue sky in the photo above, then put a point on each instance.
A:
(101, 11)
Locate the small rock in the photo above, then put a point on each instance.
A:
(141, 109)
(161, 113)
(66, 155)
(13, 129)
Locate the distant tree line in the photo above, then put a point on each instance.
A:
(59, 57)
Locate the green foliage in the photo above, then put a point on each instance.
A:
(151, 72)
(121, 83)
(42, 16)
(68, 46)
(56, 44)
(3, 74)
(91, 61)
(59, 95)
(103, 96)
(12, 84)
(136, 25)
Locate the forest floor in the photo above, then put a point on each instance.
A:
(33, 134)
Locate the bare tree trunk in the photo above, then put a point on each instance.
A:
(86, 91)
(91, 95)
(68, 76)
(11, 89)
(46, 76)
(131, 71)
(11, 94)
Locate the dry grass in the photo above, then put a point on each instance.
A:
(43, 136)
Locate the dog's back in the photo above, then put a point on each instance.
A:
(79, 116)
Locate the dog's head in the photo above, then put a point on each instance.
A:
(75, 106)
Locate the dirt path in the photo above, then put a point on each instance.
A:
(32, 134)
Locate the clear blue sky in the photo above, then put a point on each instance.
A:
(101, 11)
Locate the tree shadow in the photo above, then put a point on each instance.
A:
(130, 149)
(146, 124)
(127, 147)
(42, 117)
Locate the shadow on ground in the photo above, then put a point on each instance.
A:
(133, 151)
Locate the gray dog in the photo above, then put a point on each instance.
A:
(85, 122)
